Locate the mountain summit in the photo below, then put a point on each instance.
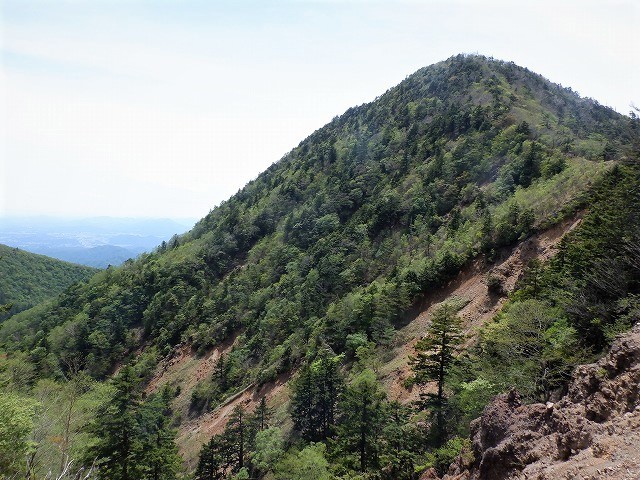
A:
(339, 245)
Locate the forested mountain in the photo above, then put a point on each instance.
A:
(27, 279)
(314, 266)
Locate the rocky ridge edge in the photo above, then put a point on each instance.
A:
(593, 432)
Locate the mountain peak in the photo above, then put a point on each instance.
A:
(325, 262)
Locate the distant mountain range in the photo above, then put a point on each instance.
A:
(96, 241)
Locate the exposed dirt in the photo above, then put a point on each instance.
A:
(185, 369)
(193, 433)
(591, 433)
(480, 306)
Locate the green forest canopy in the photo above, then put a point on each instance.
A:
(331, 248)
(27, 279)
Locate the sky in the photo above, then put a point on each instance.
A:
(165, 108)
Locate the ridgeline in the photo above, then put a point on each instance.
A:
(311, 270)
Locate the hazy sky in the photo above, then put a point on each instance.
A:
(165, 108)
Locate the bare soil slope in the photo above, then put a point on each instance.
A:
(185, 369)
(480, 305)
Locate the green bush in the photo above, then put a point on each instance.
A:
(442, 457)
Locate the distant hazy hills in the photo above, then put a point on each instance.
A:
(97, 242)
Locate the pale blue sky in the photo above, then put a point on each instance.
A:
(165, 108)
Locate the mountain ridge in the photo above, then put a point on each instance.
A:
(331, 248)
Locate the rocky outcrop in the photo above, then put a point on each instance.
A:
(591, 433)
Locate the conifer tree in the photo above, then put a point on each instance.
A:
(433, 360)
(362, 417)
(221, 375)
(118, 452)
(226, 452)
(161, 458)
(235, 438)
(330, 386)
(136, 440)
(262, 414)
(402, 443)
(316, 390)
(210, 462)
(303, 403)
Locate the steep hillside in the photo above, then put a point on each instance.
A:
(323, 262)
(27, 279)
(369, 212)
(468, 288)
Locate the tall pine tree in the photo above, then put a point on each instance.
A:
(161, 459)
(136, 440)
(362, 418)
(433, 360)
(118, 453)
(211, 462)
(316, 390)
(236, 436)
(303, 400)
